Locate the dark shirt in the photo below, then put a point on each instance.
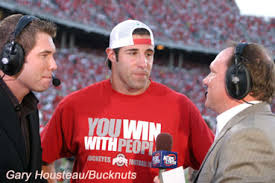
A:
(27, 106)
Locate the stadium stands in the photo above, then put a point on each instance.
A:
(77, 69)
(85, 68)
(207, 24)
(194, 24)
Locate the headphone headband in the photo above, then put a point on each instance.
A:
(239, 51)
(22, 23)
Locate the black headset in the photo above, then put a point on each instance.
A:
(13, 55)
(238, 80)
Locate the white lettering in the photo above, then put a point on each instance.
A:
(154, 131)
(100, 143)
(89, 142)
(112, 145)
(131, 129)
(92, 125)
(121, 143)
(104, 140)
(11, 174)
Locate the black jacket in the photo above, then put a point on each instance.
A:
(12, 152)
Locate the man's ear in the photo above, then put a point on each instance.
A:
(111, 54)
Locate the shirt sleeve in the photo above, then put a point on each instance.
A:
(200, 138)
(56, 137)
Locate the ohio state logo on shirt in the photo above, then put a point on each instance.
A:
(120, 160)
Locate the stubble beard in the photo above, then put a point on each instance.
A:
(137, 84)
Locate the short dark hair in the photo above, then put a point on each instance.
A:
(138, 31)
(260, 66)
(116, 50)
(27, 37)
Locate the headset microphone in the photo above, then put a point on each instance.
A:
(56, 82)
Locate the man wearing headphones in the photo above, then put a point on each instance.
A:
(26, 65)
(241, 85)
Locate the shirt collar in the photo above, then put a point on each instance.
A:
(11, 96)
(29, 102)
(224, 117)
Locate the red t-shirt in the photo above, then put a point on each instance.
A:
(112, 135)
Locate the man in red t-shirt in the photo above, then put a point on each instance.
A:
(110, 127)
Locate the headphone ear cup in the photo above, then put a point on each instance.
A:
(12, 58)
(238, 81)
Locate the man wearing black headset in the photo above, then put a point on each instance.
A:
(26, 65)
(240, 88)
(241, 85)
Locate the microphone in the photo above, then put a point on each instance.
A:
(55, 81)
(163, 158)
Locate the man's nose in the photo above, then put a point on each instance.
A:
(53, 65)
(142, 61)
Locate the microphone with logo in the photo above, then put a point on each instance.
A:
(55, 81)
(163, 158)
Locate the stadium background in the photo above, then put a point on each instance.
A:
(188, 35)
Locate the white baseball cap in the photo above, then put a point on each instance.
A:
(122, 34)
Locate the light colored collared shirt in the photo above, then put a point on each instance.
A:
(224, 117)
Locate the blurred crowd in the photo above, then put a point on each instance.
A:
(204, 24)
(78, 68)
(196, 24)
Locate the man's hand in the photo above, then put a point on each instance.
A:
(51, 170)
(156, 179)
